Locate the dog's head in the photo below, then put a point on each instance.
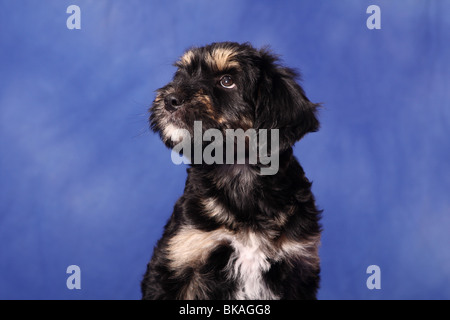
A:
(232, 86)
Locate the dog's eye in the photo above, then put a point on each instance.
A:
(227, 82)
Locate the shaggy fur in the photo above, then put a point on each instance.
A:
(234, 233)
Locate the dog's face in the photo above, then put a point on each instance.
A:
(232, 86)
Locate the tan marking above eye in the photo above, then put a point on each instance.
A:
(221, 59)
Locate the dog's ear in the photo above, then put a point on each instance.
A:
(282, 104)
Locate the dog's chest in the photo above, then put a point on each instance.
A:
(249, 263)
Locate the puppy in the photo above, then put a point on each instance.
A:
(236, 233)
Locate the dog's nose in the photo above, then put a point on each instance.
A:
(172, 102)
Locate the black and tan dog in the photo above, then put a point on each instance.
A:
(235, 233)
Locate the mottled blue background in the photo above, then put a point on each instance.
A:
(83, 181)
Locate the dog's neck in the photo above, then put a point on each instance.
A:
(241, 188)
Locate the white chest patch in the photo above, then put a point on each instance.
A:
(250, 265)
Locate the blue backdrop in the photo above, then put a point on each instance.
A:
(83, 182)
